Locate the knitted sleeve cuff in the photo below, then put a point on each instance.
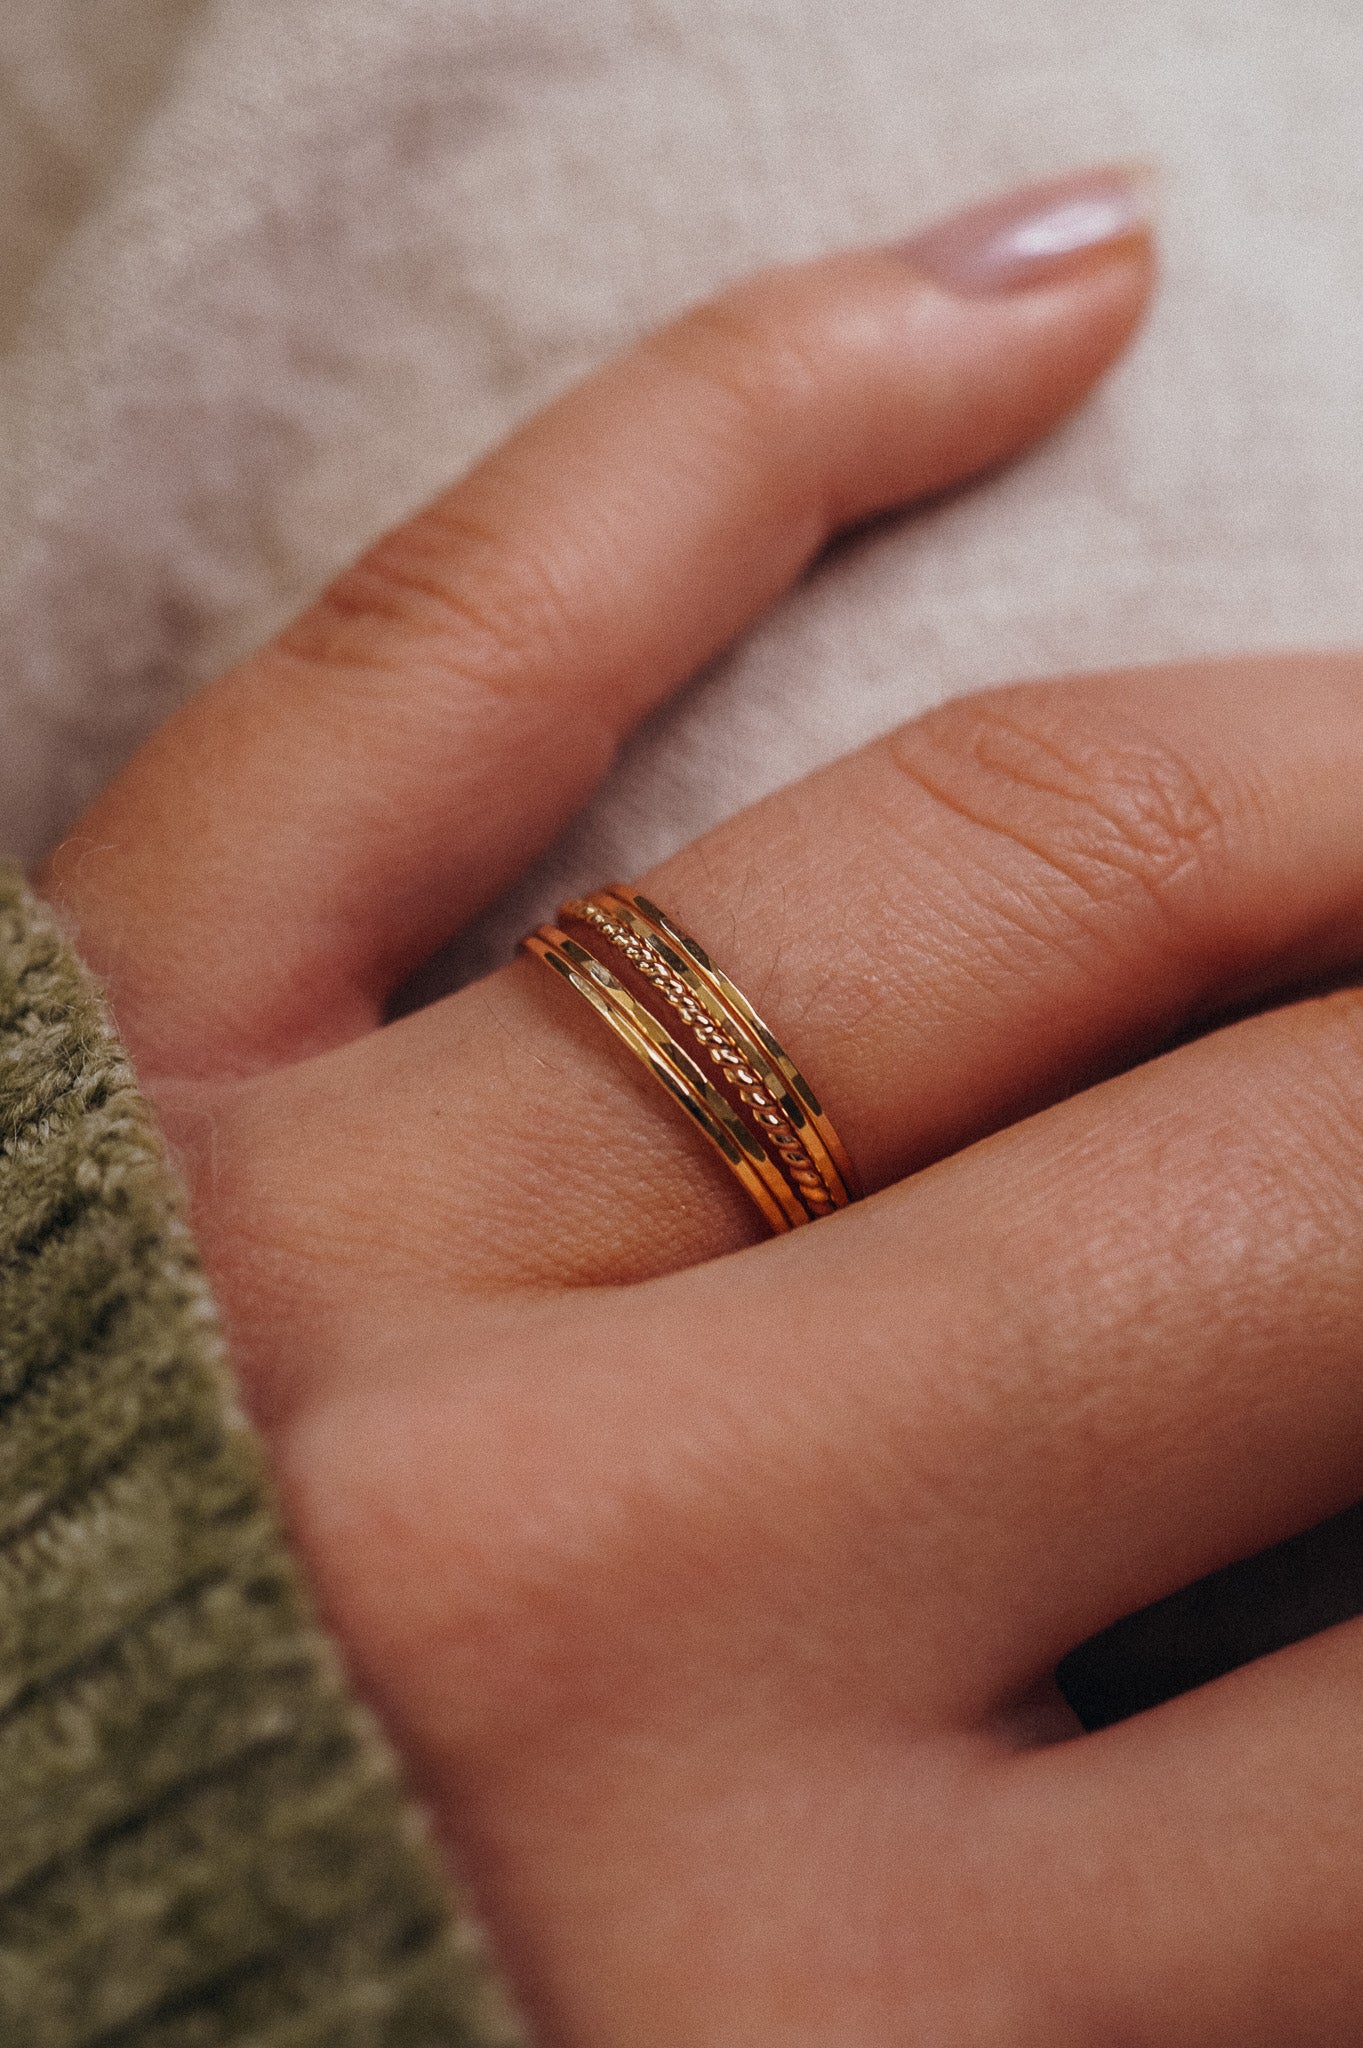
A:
(203, 1839)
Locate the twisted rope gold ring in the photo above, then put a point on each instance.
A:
(700, 1038)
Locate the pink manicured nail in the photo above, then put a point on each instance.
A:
(1031, 237)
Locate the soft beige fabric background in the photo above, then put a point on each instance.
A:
(273, 274)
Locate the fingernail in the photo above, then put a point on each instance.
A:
(1032, 237)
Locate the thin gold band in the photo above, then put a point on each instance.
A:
(727, 1005)
(775, 1137)
(672, 1066)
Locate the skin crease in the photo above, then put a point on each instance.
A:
(710, 1586)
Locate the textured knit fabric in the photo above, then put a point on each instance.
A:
(202, 1838)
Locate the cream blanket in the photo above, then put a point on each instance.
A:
(274, 273)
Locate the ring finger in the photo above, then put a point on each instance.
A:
(1035, 887)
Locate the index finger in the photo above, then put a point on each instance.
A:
(309, 829)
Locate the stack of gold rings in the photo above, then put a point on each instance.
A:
(703, 1041)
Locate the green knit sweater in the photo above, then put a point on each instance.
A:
(203, 1839)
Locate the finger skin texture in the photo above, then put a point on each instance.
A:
(712, 1588)
(359, 789)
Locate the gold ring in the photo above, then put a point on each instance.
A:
(756, 1108)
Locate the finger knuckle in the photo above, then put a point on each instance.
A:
(1109, 808)
(450, 584)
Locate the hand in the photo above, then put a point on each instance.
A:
(712, 1599)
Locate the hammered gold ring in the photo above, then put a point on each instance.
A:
(700, 1038)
